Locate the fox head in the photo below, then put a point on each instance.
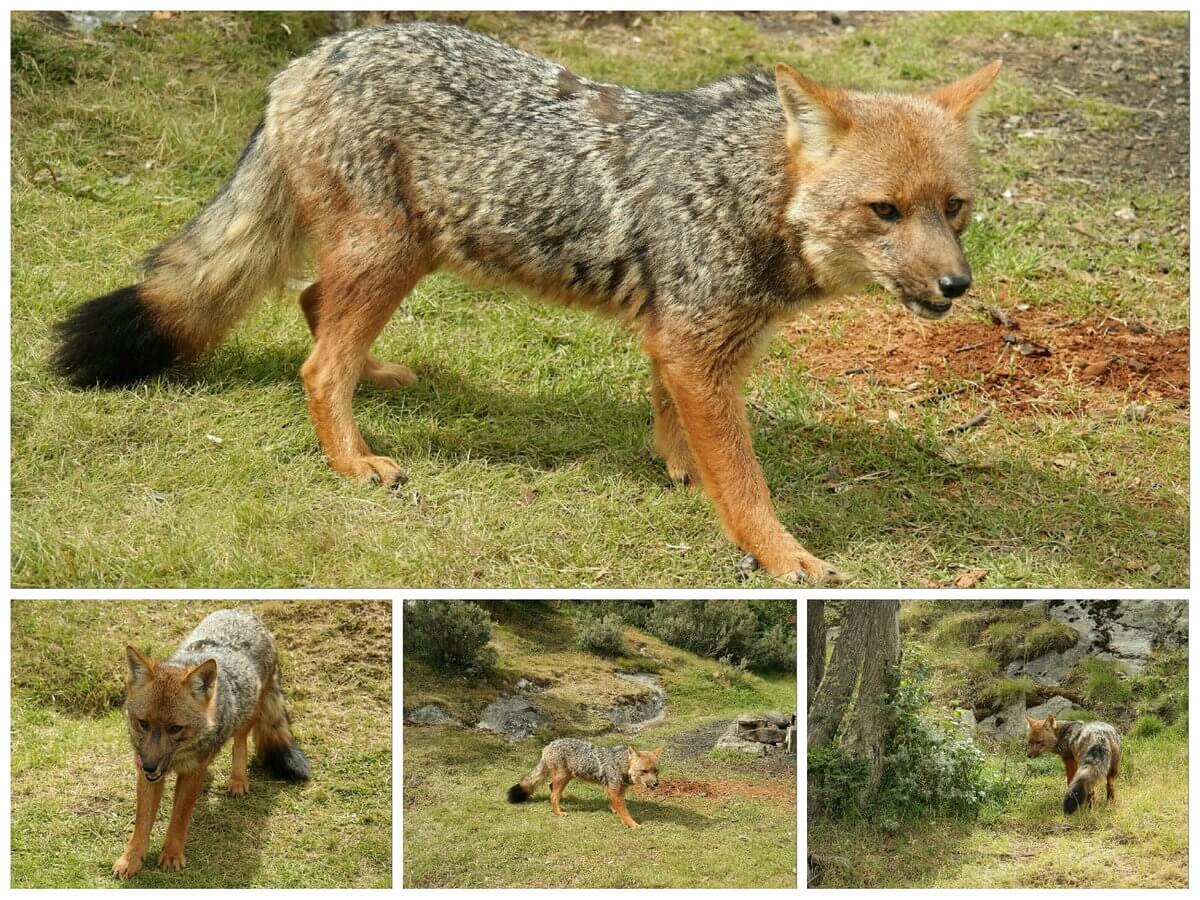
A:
(1042, 736)
(168, 708)
(883, 186)
(643, 767)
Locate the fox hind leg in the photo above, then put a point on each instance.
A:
(359, 291)
(670, 442)
(239, 778)
(384, 375)
(557, 786)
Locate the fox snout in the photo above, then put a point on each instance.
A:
(954, 286)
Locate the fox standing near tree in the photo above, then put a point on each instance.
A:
(1091, 752)
(222, 683)
(701, 218)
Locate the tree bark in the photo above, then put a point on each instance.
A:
(832, 698)
(874, 717)
(815, 647)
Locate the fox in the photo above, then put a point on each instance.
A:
(614, 769)
(220, 685)
(1090, 751)
(701, 220)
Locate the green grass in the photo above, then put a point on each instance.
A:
(1139, 841)
(459, 832)
(73, 782)
(1021, 839)
(527, 440)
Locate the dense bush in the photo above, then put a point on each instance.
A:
(931, 765)
(603, 637)
(450, 635)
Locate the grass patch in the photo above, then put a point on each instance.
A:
(73, 790)
(527, 440)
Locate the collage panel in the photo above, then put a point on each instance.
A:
(600, 744)
(201, 743)
(1012, 743)
(951, 353)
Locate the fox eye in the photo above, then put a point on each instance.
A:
(143, 724)
(953, 206)
(175, 729)
(886, 211)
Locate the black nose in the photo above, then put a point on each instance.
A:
(149, 767)
(953, 286)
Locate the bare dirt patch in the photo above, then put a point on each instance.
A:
(1036, 355)
(1144, 73)
(723, 790)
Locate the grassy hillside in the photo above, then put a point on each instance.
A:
(1025, 840)
(72, 773)
(715, 821)
(527, 438)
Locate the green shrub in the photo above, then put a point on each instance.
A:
(1147, 726)
(711, 628)
(603, 637)
(931, 764)
(450, 635)
(774, 651)
(1002, 692)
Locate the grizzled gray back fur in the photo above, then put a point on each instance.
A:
(608, 766)
(245, 655)
(514, 169)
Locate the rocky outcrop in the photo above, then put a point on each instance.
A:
(430, 714)
(1122, 630)
(651, 707)
(513, 716)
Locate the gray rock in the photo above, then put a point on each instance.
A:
(514, 717)
(87, 22)
(1051, 707)
(731, 741)
(648, 709)
(1008, 723)
(524, 684)
(965, 719)
(430, 714)
(770, 735)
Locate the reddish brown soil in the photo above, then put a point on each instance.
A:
(727, 789)
(929, 360)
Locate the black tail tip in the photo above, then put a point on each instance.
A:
(517, 794)
(287, 762)
(111, 341)
(1074, 799)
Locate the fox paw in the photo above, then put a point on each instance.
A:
(389, 376)
(371, 470)
(127, 866)
(238, 786)
(812, 571)
(172, 860)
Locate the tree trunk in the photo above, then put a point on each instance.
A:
(828, 706)
(874, 717)
(815, 647)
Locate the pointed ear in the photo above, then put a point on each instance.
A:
(816, 115)
(202, 680)
(1048, 722)
(1029, 720)
(140, 668)
(656, 753)
(961, 99)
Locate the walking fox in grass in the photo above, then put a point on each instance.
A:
(703, 219)
(1091, 752)
(222, 683)
(615, 769)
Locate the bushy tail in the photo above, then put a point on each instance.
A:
(1092, 769)
(195, 287)
(273, 739)
(521, 791)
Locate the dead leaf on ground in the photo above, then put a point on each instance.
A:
(968, 578)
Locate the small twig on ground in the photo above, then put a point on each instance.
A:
(973, 422)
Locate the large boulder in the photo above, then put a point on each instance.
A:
(1052, 707)
(1008, 723)
(514, 717)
